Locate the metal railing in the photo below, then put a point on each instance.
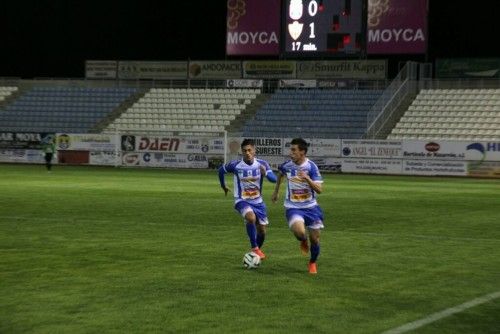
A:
(400, 88)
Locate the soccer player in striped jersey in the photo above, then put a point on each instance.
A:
(249, 175)
(304, 182)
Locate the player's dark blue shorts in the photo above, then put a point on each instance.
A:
(312, 217)
(259, 209)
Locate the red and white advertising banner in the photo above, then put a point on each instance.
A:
(371, 149)
(452, 150)
(435, 167)
(371, 166)
(131, 143)
(397, 26)
(253, 27)
(87, 142)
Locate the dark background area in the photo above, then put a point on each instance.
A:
(53, 38)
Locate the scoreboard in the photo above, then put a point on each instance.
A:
(324, 27)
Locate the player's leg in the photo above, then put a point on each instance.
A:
(296, 224)
(262, 222)
(314, 223)
(48, 160)
(261, 234)
(250, 219)
(250, 224)
(315, 249)
(255, 233)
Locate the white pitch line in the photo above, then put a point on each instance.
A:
(443, 314)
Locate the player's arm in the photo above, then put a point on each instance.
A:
(275, 195)
(315, 185)
(222, 172)
(266, 170)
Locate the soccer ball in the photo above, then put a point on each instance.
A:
(251, 260)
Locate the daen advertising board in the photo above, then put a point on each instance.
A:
(132, 143)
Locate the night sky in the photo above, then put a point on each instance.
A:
(53, 38)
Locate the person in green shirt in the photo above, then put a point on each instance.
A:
(49, 148)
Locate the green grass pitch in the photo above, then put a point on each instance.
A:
(105, 250)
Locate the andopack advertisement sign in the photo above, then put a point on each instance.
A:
(253, 27)
(397, 26)
(214, 69)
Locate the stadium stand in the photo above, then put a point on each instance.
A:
(451, 114)
(61, 109)
(314, 113)
(196, 109)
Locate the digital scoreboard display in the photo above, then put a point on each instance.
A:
(324, 27)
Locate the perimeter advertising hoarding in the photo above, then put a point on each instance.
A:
(371, 149)
(342, 69)
(279, 148)
(103, 158)
(22, 156)
(253, 27)
(452, 150)
(86, 142)
(271, 69)
(152, 70)
(397, 26)
(146, 143)
(244, 83)
(24, 140)
(468, 68)
(162, 159)
(214, 69)
(372, 166)
(101, 69)
(434, 167)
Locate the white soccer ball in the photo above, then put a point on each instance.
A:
(251, 260)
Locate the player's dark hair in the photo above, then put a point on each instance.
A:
(247, 141)
(301, 143)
